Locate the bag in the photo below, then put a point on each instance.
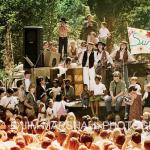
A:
(127, 100)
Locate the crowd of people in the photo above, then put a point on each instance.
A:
(33, 115)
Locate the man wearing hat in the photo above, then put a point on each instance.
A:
(121, 58)
(63, 31)
(117, 89)
(89, 26)
(104, 60)
(88, 61)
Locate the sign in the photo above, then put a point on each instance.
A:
(139, 41)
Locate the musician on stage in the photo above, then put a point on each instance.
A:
(88, 26)
(63, 31)
(104, 61)
(88, 61)
(121, 58)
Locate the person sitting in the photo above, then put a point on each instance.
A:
(117, 89)
(73, 51)
(85, 95)
(68, 90)
(98, 93)
(56, 88)
(31, 103)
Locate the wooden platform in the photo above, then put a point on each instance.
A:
(79, 111)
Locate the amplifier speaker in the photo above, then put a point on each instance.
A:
(76, 76)
(51, 59)
(33, 43)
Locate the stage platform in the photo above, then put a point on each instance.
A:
(80, 111)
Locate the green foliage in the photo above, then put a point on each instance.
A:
(120, 13)
(46, 13)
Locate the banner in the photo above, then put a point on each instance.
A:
(139, 41)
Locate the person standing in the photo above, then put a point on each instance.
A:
(88, 61)
(104, 33)
(104, 61)
(89, 26)
(121, 58)
(63, 31)
(136, 105)
(117, 89)
(40, 88)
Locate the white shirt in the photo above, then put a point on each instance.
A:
(27, 84)
(103, 33)
(99, 89)
(49, 111)
(56, 91)
(88, 55)
(9, 102)
(109, 59)
(130, 57)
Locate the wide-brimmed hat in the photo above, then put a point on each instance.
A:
(63, 19)
(67, 80)
(90, 43)
(123, 42)
(102, 43)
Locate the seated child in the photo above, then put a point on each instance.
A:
(85, 96)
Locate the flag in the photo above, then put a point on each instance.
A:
(139, 40)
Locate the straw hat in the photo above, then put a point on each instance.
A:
(123, 42)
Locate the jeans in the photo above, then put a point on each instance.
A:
(127, 108)
(108, 103)
(63, 42)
